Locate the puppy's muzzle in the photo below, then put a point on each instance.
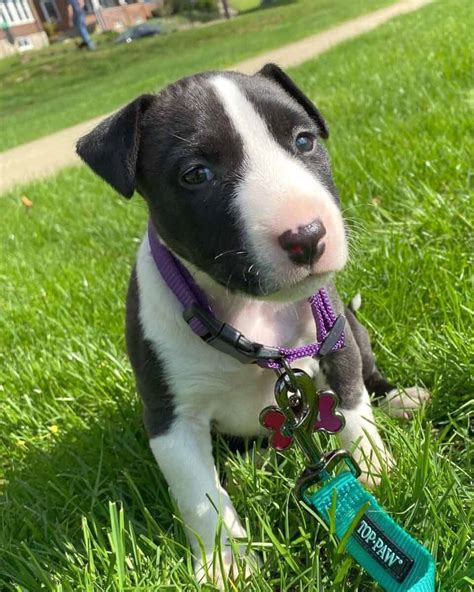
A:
(305, 246)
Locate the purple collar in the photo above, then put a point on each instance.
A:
(199, 316)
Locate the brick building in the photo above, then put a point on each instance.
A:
(20, 27)
(101, 15)
(21, 21)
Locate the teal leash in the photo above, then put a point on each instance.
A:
(383, 548)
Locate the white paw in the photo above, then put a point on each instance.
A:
(401, 403)
(373, 460)
(217, 568)
(373, 464)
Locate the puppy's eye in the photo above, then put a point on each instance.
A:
(197, 175)
(305, 142)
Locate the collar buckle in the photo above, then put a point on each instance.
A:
(228, 340)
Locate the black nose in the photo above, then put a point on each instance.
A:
(304, 246)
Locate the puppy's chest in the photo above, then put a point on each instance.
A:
(235, 408)
(232, 395)
(205, 384)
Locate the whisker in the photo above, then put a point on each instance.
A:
(230, 252)
(180, 138)
(228, 282)
(355, 206)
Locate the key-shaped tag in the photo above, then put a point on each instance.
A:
(301, 410)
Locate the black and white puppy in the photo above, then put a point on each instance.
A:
(229, 166)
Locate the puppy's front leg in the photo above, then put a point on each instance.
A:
(361, 432)
(184, 454)
(343, 373)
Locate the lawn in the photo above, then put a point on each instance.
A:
(42, 92)
(243, 5)
(83, 506)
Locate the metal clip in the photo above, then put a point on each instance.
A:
(322, 470)
(287, 372)
(296, 397)
(296, 417)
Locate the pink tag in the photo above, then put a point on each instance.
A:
(328, 420)
(273, 419)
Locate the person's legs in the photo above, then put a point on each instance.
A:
(80, 23)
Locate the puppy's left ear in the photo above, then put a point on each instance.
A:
(276, 74)
(111, 149)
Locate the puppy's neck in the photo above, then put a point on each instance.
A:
(264, 321)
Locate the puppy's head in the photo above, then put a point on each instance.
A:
(236, 178)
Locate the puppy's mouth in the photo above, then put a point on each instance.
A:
(296, 272)
(296, 289)
(256, 279)
(287, 269)
(294, 259)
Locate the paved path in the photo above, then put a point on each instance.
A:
(51, 153)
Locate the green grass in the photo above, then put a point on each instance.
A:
(243, 5)
(42, 92)
(83, 507)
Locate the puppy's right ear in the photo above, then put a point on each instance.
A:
(111, 149)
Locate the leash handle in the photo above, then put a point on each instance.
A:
(383, 548)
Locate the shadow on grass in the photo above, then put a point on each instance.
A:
(267, 5)
(45, 501)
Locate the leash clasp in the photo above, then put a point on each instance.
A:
(322, 470)
(301, 411)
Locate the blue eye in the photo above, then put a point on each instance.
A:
(198, 175)
(305, 142)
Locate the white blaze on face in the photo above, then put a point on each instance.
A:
(278, 193)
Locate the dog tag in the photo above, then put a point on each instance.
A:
(274, 420)
(301, 411)
(329, 419)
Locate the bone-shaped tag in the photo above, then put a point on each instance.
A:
(273, 419)
(328, 420)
